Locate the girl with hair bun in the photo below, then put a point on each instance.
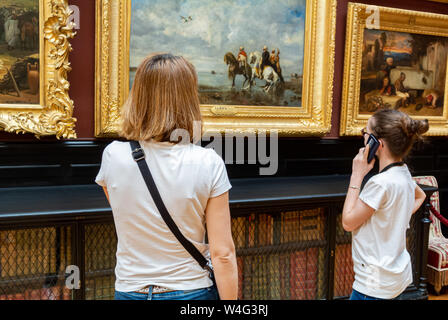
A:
(379, 214)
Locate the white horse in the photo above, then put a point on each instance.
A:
(269, 75)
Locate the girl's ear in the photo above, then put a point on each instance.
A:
(381, 142)
(381, 146)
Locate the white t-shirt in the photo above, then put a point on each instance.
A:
(147, 252)
(382, 264)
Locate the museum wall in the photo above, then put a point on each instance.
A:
(82, 58)
(26, 160)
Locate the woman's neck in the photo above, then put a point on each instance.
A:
(387, 160)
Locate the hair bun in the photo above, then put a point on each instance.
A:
(413, 128)
(418, 127)
(398, 130)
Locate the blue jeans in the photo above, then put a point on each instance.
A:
(210, 293)
(360, 296)
(356, 295)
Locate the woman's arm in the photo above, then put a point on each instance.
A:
(222, 248)
(420, 196)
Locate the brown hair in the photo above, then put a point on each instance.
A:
(398, 130)
(163, 98)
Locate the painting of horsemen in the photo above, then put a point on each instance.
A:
(247, 53)
(403, 71)
(19, 52)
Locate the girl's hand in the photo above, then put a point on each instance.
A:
(360, 165)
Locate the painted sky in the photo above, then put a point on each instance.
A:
(396, 41)
(218, 27)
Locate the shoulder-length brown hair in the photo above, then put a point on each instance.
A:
(163, 98)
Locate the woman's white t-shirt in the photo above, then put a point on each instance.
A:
(187, 176)
(382, 264)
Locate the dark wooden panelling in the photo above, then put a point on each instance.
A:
(50, 163)
(77, 162)
(80, 160)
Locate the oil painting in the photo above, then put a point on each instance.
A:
(262, 66)
(398, 61)
(247, 53)
(34, 65)
(19, 52)
(403, 71)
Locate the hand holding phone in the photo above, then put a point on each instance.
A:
(373, 147)
(360, 165)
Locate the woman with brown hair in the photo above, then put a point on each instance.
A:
(162, 113)
(379, 215)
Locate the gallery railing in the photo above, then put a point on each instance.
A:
(290, 243)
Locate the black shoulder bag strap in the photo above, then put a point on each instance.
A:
(139, 156)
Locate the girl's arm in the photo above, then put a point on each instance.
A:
(106, 193)
(355, 211)
(222, 248)
(420, 197)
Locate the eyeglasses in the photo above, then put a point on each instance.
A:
(364, 131)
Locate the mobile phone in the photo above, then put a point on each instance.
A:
(374, 144)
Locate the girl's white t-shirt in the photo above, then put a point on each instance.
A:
(382, 264)
(187, 176)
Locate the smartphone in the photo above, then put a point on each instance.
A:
(374, 144)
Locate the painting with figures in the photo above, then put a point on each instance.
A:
(19, 52)
(245, 53)
(403, 71)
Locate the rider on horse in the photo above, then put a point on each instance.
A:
(265, 61)
(242, 58)
(275, 63)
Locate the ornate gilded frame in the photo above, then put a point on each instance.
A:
(391, 19)
(54, 114)
(313, 118)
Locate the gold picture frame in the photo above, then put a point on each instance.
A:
(393, 22)
(313, 118)
(54, 113)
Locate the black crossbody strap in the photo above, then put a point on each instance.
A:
(139, 156)
(395, 164)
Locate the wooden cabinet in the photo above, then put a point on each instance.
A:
(287, 232)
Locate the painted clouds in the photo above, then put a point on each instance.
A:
(217, 27)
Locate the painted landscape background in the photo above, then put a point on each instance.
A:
(204, 31)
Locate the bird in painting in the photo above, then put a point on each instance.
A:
(186, 19)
